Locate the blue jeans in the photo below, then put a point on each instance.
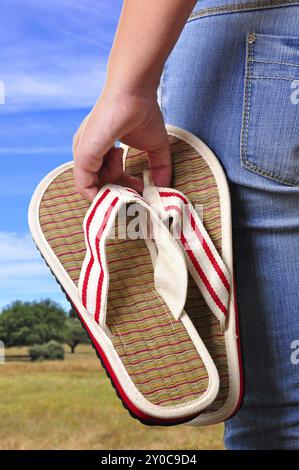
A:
(233, 80)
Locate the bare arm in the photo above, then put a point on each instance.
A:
(127, 109)
(146, 34)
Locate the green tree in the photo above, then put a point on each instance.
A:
(28, 323)
(72, 313)
(74, 334)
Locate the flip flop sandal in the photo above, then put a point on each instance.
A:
(129, 292)
(199, 182)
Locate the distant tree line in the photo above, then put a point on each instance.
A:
(40, 323)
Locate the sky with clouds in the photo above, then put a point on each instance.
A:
(53, 57)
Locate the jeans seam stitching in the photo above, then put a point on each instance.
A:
(240, 7)
(270, 174)
(259, 77)
(265, 61)
(246, 111)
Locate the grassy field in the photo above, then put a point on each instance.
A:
(70, 404)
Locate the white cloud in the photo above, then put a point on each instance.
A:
(50, 88)
(23, 273)
(53, 54)
(15, 247)
(22, 270)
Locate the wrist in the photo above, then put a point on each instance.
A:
(136, 81)
(121, 106)
(123, 93)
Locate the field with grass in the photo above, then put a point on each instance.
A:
(71, 404)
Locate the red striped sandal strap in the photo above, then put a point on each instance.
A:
(170, 270)
(203, 260)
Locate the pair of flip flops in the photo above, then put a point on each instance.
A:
(151, 279)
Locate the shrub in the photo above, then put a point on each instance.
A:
(51, 351)
(38, 352)
(55, 350)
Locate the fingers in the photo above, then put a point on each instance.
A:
(160, 167)
(106, 170)
(112, 167)
(130, 182)
(86, 175)
(88, 182)
(98, 161)
(112, 171)
(89, 148)
(160, 163)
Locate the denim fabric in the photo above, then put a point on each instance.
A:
(218, 7)
(239, 92)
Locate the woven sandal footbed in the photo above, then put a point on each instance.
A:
(156, 350)
(193, 176)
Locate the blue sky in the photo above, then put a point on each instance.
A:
(53, 57)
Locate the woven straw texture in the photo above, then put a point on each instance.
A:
(193, 177)
(155, 349)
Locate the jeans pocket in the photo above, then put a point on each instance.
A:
(270, 127)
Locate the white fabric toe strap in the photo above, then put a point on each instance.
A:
(203, 260)
(170, 270)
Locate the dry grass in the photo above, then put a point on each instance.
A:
(70, 404)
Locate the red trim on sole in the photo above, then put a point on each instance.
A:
(138, 413)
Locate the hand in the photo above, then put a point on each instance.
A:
(134, 120)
